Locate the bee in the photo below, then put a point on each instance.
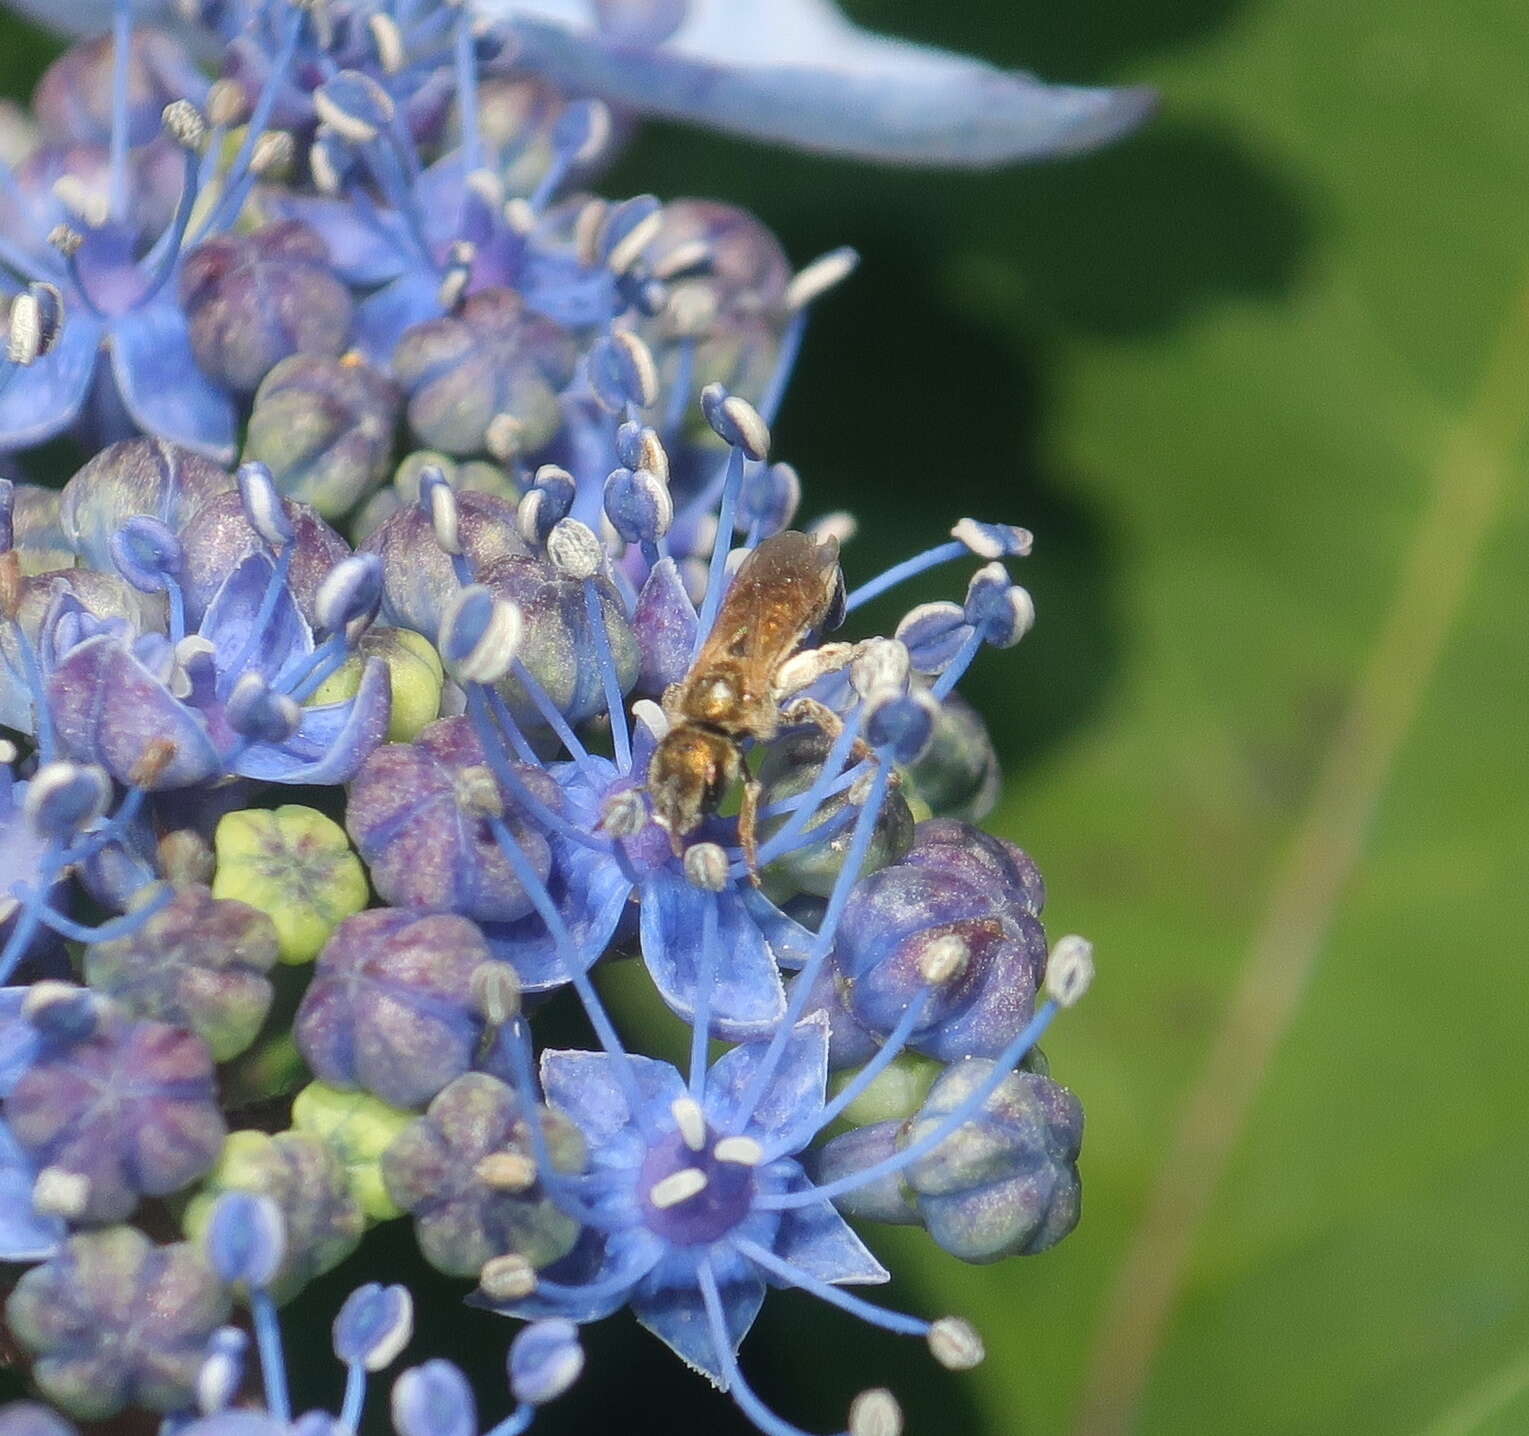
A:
(787, 588)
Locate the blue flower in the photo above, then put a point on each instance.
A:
(797, 72)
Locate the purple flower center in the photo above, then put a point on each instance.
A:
(690, 1197)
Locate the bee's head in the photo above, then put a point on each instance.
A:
(688, 775)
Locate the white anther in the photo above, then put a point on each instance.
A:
(58, 1192)
(880, 663)
(1070, 969)
(749, 423)
(326, 178)
(506, 1171)
(272, 154)
(226, 105)
(384, 1352)
(348, 126)
(25, 342)
(495, 992)
(944, 959)
(45, 993)
(388, 39)
(740, 1151)
(452, 287)
(652, 717)
(443, 518)
(185, 653)
(804, 669)
(599, 134)
(841, 526)
(625, 253)
(575, 549)
(706, 867)
(8, 751)
(587, 224)
(691, 1121)
(677, 1187)
(496, 649)
(507, 1278)
(640, 357)
(955, 1344)
(183, 123)
(652, 456)
(519, 216)
(875, 1413)
(504, 437)
(980, 540)
(820, 276)
(684, 257)
(89, 206)
(624, 814)
(690, 312)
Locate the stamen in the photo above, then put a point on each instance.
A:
(908, 568)
(691, 1121)
(507, 1171)
(875, 1413)
(677, 1187)
(740, 1151)
(956, 1344)
(894, 1321)
(507, 1278)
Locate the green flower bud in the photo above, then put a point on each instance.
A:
(295, 865)
(358, 1128)
(414, 668)
(300, 1173)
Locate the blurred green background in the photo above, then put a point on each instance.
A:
(1258, 380)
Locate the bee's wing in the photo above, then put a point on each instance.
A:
(781, 591)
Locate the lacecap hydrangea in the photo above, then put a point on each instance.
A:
(428, 624)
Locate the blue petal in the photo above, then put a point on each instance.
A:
(161, 386)
(591, 892)
(230, 620)
(382, 318)
(108, 708)
(747, 998)
(668, 1302)
(797, 72)
(332, 741)
(24, 1236)
(366, 247)
(584, 1086)
(43, 399)
(818, 1241)
(614, 1264)
(790, 1110)
(18, 1039)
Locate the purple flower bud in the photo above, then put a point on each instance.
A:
(466, 1172)
(221, 537)
(246, 1239)
(418, 578)
(391, 1006)
(252, 300)
(545, 1360)
(417, 813)
(491, 357)
(325, 427)
(160, 1130)
(199, 962)
(73, 100)
(82, 1314)
(373, 1326)
(434, 1400)
(952, 927)
(560, 643)
(136, 476)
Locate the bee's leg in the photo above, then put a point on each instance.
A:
(809, 713)
(748, 827)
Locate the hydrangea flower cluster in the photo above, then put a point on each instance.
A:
(426, 490)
